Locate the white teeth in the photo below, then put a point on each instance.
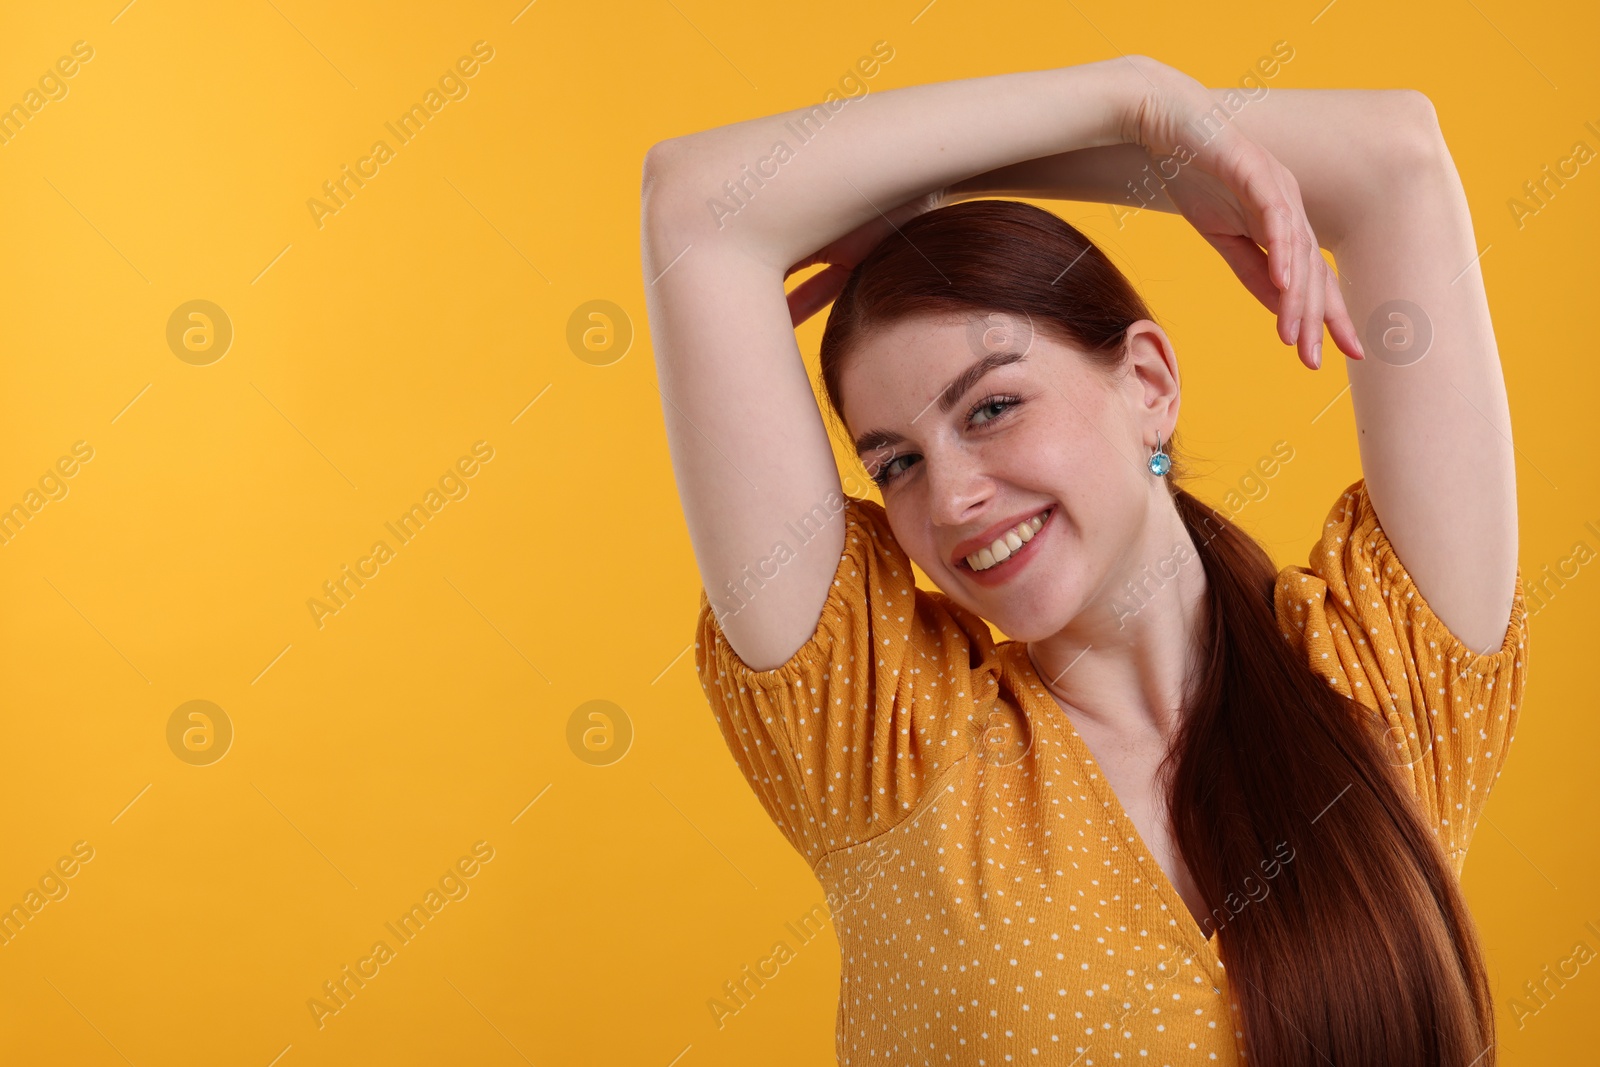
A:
(1006, 544)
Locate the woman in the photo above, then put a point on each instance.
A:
(1210, 812)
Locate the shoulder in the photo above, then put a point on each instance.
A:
(1358, 621)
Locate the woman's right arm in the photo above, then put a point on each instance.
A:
(756, 475)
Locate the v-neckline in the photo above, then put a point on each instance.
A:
(1157, 875)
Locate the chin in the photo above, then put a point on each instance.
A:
(1025, 634)
(1016, 627)
(1036, 619)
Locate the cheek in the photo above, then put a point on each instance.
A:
(1094, 459)
(910, 529)
(1049, 456)
(1102, 493)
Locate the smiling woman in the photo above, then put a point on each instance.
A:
(1069, 808)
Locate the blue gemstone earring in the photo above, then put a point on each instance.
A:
(1160, 463)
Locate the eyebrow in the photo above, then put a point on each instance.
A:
(948, 396)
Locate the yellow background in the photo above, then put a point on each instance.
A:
(370, 353)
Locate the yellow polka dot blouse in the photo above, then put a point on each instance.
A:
(992, 900)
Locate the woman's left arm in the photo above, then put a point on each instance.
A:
(1432, 420)
(1433, 424)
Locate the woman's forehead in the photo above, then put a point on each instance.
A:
(920, 360)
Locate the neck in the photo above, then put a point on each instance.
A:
(1123, 663)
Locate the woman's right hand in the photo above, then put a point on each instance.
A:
(1242, 199)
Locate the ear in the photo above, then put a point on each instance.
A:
(1153, 368)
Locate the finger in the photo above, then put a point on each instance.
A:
(1261, 184)
(802, 305)
(1280, 248)
(1278, 239)
(1291, 310)
(1311, 329)
(1262, 193)
(816, 293)
(1340, 325)
(1250, 264)
(813, 258)
(1295, 207)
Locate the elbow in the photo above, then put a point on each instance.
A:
(673, 212)
(657, 161)
(671, 184)
(1413, 140)
(664, 204)
(656, 181)
(1417, 109)
(672, 191)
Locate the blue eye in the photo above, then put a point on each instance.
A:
(888, 472)
(1004, 403)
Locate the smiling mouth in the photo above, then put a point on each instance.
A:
(1007, 544)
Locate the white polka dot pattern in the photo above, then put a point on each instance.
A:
(996, 902)
(1364, 627)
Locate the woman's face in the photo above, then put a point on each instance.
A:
(1047, 433)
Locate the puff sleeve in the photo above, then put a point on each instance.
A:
(1364, 626)
(840, 742)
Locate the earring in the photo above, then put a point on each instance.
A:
(1160, 463)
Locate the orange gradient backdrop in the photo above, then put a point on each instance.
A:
(220, 398)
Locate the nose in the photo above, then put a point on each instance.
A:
(958, 487)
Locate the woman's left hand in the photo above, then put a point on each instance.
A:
(1290, 277)
(1216, 214)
